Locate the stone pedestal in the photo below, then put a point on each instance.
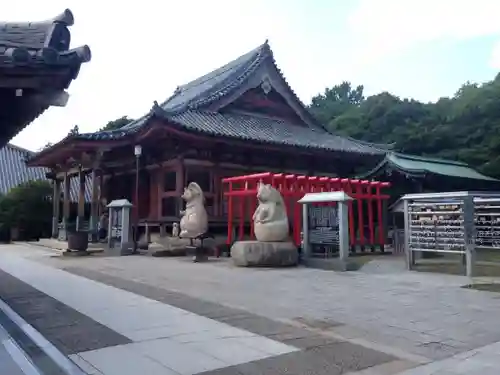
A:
(198, 253)
(120, 249)
(264, 254)
(70, 253)
(169, 247)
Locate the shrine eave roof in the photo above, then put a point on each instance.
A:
(419, 166)
(192, 108)
(40, 44)
(246, 127)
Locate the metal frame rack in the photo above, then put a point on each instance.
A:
(457, 223)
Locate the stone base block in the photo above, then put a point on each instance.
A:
(264, 254)
(74, 253)
(177, 252)
(118, 250)
(332, 264)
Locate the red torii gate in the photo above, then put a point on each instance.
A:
(241, 194)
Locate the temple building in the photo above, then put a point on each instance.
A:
(36, 67)
(239, 119)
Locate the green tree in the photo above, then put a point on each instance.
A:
(117, 124)
(336, 101)
(463, 127)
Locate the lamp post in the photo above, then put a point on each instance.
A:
(137, 153)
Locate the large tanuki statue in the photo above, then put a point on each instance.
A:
(194, 219)
(270, 219)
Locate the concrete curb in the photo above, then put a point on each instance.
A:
(50, 350)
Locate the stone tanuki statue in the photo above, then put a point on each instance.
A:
(194, 219)
(175, 230)
(273, 247)
(270, 219)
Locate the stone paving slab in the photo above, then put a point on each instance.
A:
(320, 354)
(426, 315)
(330, 359)
(69, 330)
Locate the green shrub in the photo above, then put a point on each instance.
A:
(28, 208)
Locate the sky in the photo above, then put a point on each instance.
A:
(142, 50)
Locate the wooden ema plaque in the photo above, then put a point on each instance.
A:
(437, 227)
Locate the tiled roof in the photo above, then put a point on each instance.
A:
(214, 85)
(189, 108)
(251, 127)
(13, 172)
(40, 43)
(264, 129)
(42, 50)
(420, 166)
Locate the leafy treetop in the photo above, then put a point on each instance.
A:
(463, 127)
(117, 124)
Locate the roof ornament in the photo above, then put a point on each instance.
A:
(74, 131)
(66, 18)
(266, 85)
(157, 109)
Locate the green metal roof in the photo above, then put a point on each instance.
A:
(420, 166)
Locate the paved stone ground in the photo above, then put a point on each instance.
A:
(70, 331)
(422, 315)
(415, 316)
(320, 354)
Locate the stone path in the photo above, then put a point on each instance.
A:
(423, 315)
(405, 318)
(481, 361)
(161, 332)
(57, 322)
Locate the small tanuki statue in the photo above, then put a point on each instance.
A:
(175, 230)
(270, 218)
(194, 219)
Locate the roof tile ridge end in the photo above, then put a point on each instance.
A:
(66, 18)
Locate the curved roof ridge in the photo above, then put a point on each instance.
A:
(380, 146)
(428, 159)
(219, 82)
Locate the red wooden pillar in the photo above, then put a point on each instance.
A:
(346, 185)
(293, 208)
(253, 186)
(301, 185)
(230, 213)
(358, 193)
(371, 223)
(362, 200)
(380, 213)
(241, 210)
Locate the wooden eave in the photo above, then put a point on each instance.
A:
(72, 146)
